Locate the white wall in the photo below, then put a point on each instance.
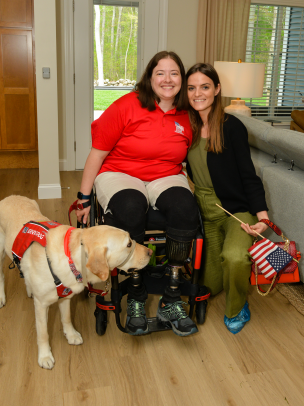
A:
(47, 99)
(182, 23)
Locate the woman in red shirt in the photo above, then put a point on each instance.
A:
(138, 146)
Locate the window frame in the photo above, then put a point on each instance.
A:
(277, 80)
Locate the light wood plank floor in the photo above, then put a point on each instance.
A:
(263, 365)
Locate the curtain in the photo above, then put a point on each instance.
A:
(222, 30)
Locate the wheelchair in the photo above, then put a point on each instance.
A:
(155, 277)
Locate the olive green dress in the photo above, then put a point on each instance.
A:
(226, 262)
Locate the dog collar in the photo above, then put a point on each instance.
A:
(130, 253)
(67, 252)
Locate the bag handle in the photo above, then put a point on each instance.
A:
(270, 224)
(259, 289)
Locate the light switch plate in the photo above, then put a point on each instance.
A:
(46, 73)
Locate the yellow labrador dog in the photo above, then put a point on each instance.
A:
(104, 248)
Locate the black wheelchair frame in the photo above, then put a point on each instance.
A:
(155, 278)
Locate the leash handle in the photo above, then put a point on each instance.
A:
(77, 206)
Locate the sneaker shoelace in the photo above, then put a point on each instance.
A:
(175, 309)
(136, 308)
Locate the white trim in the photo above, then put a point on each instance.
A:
(140, 40)
(163, 25)
(63, 165)
(68, 80)
(49, 191)
(84, 92)
(287, 3)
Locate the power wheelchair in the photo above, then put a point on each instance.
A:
(155, 277)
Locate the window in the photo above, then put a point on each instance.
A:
(115, 50)
(276, 38)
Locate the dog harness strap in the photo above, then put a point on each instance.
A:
(31, 232)
(76, 206)
(62, 291)
(67, 252)
(130, 253)
(34, 231)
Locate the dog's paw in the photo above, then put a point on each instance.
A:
(2, 301)
(46, 362)
(74, 338)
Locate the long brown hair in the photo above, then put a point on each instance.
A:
(215, 117)
(145, 92)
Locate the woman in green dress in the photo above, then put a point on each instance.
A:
(220, 165)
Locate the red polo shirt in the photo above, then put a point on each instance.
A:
(145, 144)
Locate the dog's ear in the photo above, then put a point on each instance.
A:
(97, 263)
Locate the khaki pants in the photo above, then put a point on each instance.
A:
(226, 262)
(109, 183)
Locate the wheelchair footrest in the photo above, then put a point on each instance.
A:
(155, 325)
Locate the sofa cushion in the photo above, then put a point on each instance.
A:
(286, 144)
(284, 190)
(285, 195)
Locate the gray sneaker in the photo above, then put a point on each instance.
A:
(136, 323)
(174, 314)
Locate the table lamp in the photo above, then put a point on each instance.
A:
(240, 79)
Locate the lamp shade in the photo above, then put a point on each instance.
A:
(244, 80)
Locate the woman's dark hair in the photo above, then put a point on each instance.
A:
(215, 116)
(145, 92)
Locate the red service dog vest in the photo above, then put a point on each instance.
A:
(36, 232)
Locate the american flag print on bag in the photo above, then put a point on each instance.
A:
(269, 257)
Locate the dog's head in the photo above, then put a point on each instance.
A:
(109, 247)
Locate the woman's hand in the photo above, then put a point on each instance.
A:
(83, 213)
(91, 168)
(259, 227)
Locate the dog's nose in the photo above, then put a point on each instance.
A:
(150, 252)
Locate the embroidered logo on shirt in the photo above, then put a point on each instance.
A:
(179, 128)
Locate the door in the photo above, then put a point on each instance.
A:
(17, 84)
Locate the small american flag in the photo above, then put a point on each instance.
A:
(269, 258)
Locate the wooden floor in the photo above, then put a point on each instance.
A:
(262, 365)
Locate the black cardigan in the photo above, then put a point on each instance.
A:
(232, 172)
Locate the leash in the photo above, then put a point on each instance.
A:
(67, 252)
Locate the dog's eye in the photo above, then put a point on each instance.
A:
(129, 245)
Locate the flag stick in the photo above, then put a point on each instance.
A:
(237, 218)
(245, 224)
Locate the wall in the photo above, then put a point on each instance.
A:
(47, 99)
(182, 23)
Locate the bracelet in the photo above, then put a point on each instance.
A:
(81, 196)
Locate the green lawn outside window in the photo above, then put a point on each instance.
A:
(104, 98)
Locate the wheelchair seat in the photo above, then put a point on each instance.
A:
(155, 220)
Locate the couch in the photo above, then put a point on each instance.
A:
(278, 156)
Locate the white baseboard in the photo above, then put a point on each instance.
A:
(49, 191)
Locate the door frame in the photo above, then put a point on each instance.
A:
(152, 13)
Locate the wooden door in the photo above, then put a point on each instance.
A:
(17, 77)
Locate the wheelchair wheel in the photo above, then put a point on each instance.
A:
(101, 321)
(200, 311)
